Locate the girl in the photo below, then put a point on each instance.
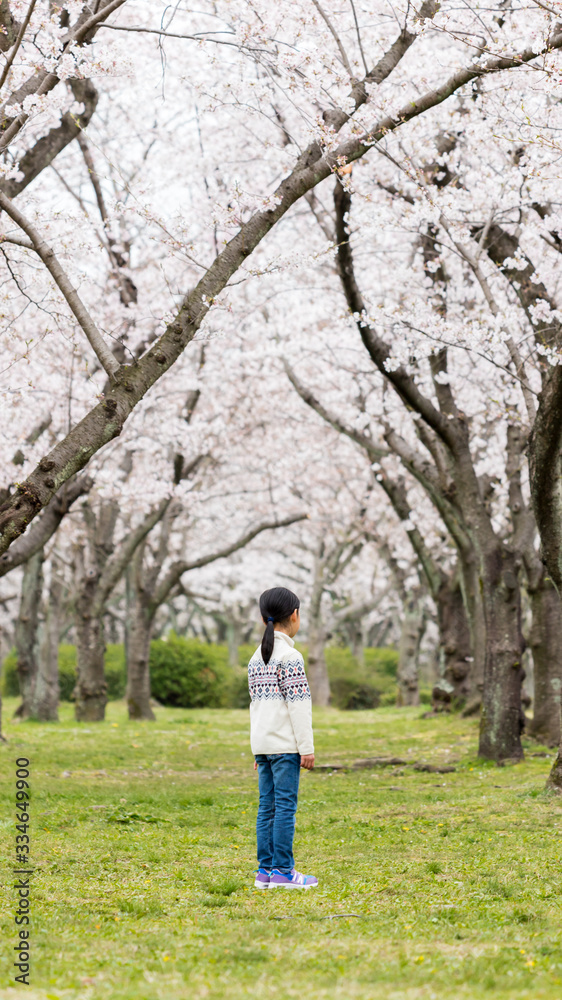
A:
(281, 738)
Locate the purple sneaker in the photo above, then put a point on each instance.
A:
(296, 880)
(262, 878)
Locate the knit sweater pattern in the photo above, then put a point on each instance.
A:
(281, 707)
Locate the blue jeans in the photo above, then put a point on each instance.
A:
(278, 775)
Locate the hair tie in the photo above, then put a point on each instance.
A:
(271, 619)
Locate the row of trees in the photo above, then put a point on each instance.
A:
(347, 310)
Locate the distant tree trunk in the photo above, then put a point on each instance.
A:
(317, 671)
(90, 692)
(234, 639)
(453, 684)
(138, 662)
(470, 583)
(546, 647)
(26, 631)
(46, 696)
(502, 716)
(354, 633)
(412, 630)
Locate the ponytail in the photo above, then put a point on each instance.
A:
(267, 641)
(276, 605)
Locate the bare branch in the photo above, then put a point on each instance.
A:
(116, 564)
(336, 38)
(177, 570)
(53, 265)
(358, 33)
(19, 40)
(373, 450)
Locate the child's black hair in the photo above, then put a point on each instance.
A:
(276, 605)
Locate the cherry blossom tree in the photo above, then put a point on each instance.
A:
(347, 128)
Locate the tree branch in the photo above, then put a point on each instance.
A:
(378, 350)
(18, 41)
(180, 567)
(44, 151)
(116, 564)
(55, 269)
(43, 82)
(374, 451)
(43, 529)
(336, 38)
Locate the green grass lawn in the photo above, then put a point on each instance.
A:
(442, 886)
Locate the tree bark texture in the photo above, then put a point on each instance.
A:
(27, 631)
(546, 647)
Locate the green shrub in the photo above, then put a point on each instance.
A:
(67, 671)
(187, 673)
(115, 670)
(357, 687)
(382, 660)
(238, 692)
(10, 683)
(350, 693)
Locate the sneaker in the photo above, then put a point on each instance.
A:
(262, 878)
(296, 880)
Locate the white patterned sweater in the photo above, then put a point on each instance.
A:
(280, 709)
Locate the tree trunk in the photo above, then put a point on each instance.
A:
(502, 717)
(412, 629)
(138, 663)
(356, 640)
(453, 686)
(90, 693)
(233, 636)
(46, 696)
(472, 595)
(26, 631)
(317, 670)
(546, 647)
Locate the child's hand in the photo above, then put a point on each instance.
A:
(307, 761)
(255, 765)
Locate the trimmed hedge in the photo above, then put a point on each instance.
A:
(187, 673)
